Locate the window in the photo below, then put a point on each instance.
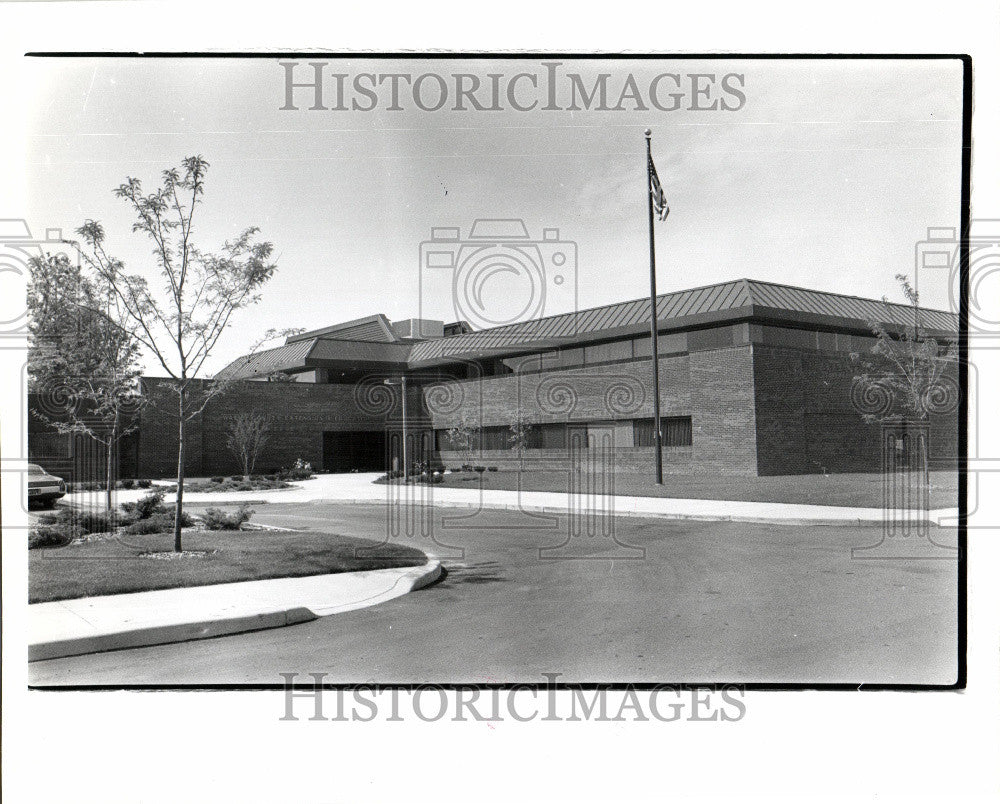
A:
(676, 432)
(667, 343)
(550, 436)
(616, 352)
(496, 437)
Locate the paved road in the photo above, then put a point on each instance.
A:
(708, 602)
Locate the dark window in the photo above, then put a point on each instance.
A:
(717, 338)
(616, 351)
(676, 432)
(551, 436)
(667, 343)
(496, 437)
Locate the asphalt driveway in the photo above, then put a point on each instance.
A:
(707, 602)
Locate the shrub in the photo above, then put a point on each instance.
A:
(479, 469)
(126, 483)
(217, 479)
(85, 485)
(467, 467)
(51, 535)
(160, 522)
(302, 470)
(144, 507)
(93, 521)
(236, 477)
(217, 519)
(144, 484)
(492, 468)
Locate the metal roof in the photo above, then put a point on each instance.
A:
(281, 358)
(740, 299)
(370, 328)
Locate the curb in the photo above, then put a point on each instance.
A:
(415, 578)
(163, 634)
(874, 521)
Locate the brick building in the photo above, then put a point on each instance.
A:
(755, 379)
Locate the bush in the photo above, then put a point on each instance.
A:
(302, 470)
(144, 507)
(126, 483)
(51, 535)
(217, 519)
(160, 522)
(217, 479)
(144, 484)
(479, 469)
(467, 467)
(492, 468)
(93, 521)
(85, 485)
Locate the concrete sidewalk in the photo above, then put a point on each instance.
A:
(112, 622)
(360, 488)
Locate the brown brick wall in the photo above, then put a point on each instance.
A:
(807, 423)
(300, 413)
(722, 412)
(599, 393)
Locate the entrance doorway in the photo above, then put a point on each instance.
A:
(354, 450)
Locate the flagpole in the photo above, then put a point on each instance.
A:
(653, 333)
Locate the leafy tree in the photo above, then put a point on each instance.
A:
(906, 377)
(519, 435)
(464, 436)
(181, 317)
(83, 349)
(248, 435)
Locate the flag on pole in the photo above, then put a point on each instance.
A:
(660, 206)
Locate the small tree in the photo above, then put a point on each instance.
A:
(519, 436)
(904, 377)
(247, 437)
(464, 436)
(82, 346)
(181, 322)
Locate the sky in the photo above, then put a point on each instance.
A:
(826, 176)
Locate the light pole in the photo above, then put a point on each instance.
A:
(402, 383)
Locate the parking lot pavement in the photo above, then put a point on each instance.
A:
(705, 601)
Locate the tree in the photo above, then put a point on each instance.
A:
(464, 436)
(905, 379)
(519, 436)
(181, 322)
(82, 348)
(247, 436)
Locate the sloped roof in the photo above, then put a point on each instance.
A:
(370, 328)
(268, 361)
(739, 299)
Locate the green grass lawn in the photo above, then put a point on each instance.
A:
(854, 490)
(118, 564)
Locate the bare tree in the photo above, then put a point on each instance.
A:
(199, 291)
(83, 351)
(247, 436)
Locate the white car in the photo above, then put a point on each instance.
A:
(44, 488)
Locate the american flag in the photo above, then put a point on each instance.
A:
(660, 206)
